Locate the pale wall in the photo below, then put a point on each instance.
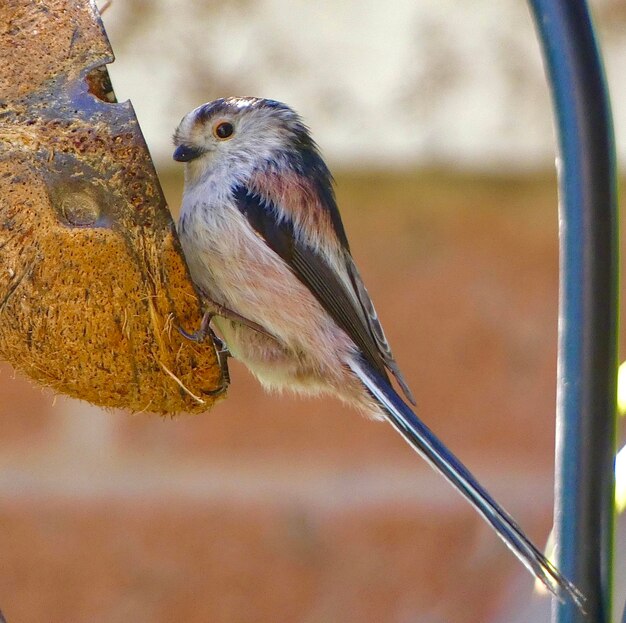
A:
(408, 83)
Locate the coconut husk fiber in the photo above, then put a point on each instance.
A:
(93, 284)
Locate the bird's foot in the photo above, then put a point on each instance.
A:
(222, 352)
(219, 310)
(204, 330)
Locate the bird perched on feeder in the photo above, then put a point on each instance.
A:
(265, 244)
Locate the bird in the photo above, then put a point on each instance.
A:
(268, 253)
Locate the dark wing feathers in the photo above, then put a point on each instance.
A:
(331, 293)
(376, 329)
(360, 322)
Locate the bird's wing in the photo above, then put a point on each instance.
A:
(375, 328)
(352, 311)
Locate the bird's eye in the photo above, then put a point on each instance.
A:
(223, 130)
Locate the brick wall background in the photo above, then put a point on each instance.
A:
(271, 508)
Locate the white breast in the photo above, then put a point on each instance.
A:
(234, 267)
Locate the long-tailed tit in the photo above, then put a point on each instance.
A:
(264, 241)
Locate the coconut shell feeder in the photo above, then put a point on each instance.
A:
(93, 284)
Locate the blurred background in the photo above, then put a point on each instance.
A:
(436, 121)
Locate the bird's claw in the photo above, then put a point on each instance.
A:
(221, 350)
(196, 336)
(204, 330)
(223, 354)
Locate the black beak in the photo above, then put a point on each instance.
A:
(186, 153)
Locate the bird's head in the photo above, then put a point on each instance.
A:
(241, 134)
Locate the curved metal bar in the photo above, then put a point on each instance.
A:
(587, 364)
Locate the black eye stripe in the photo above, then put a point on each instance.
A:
(224, 130)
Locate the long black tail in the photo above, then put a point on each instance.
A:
(423, 441)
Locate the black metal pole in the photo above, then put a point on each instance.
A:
(587, 364)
